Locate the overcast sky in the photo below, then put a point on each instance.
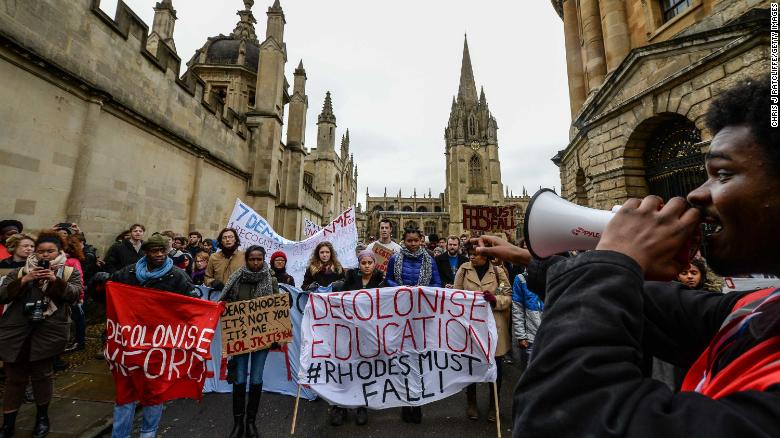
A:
(393, 67)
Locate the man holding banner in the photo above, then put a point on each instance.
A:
(139, 371)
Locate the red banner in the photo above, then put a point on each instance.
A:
(158, 343)
(488, 218)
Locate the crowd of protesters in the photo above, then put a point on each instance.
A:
(597, 336)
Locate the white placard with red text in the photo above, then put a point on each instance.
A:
(398, 346)
(253, 229)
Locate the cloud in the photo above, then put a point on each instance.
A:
(393, 68)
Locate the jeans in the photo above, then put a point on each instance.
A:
(256, 372)
(123, 420)
(77, 314)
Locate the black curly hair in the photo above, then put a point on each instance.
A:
(747, 103)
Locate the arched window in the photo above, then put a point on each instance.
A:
(437, 209)
(674, 163)
(407, 208)
(430, 228)
(472, 125)
(475, 174)
(411, 224)
(422, 209)
(377, 208)
(391, 208)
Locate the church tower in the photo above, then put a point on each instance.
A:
(473, 170)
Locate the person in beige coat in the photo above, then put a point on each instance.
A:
(224, 263)
(478, 274)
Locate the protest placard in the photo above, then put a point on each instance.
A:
(159, 355)
(383, 255)
(253, 229)
(397, 346)
(255, 324)
(488, 218)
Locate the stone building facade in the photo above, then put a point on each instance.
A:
(98, 127)
(472, 170)
(641, 75)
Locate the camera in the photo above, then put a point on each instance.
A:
(34, 309)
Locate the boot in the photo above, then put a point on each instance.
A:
(492, 410)
(337, 416)
(255, 391)
(471, 402)
(406, 416)
(239, 396)
(415, 414)
(41, 428)
(361, 416)
(9, 423)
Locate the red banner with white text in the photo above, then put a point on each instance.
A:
(158, 343)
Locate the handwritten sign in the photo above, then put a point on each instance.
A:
(255, 324)
(253, 229)
(398, 346)
(310, 228)
(383, 255)
(488, 218)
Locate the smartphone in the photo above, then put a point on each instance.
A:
(43, 264)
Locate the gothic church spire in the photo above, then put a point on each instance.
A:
(467, 92)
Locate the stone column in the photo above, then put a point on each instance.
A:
(574, 67)
(593, 41)
(617, 41)
(78, 196)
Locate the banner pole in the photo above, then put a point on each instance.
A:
(295, 412)
(498, 411)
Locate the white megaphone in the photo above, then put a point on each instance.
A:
(554, 225)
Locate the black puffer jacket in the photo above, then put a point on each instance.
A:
(585, 378)
(176, 281)
(121, 254)
(353, 280)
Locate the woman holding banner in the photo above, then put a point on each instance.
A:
(479, 274)
(367, 276)
(412, 266)
(253, 280)
(324, 267)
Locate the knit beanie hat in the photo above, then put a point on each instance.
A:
(156, 241)
(278, 254)
(366, 253)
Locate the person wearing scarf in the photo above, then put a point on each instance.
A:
(253, 280)
(35, 327)
(324, 267)
(279, 265)
(199, 269)
(224, 263)
(413, 266)
(155, 270)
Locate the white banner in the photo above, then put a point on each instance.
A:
(310, 228)
(396, 346)
(253, 229)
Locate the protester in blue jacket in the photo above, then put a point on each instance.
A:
(413, 266)
(527, 310)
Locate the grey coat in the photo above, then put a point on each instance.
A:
(48, 337)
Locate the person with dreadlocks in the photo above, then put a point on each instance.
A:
(412, 266)
(254, 279)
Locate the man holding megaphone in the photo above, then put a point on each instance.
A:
(602, 315)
